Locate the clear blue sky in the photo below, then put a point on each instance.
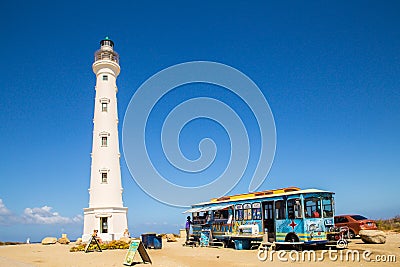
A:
(330, 71)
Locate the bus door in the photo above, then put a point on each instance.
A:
(269, 219)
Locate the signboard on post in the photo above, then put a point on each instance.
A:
(92, 240)
(136, 245)
(205, 236)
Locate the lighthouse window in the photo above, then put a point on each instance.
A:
(104, 141)
(104, 107)
(105, 78)
(104, 104)
(104, 177)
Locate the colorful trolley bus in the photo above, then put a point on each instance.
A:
(281, 216)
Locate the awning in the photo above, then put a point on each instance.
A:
(218, 207)
(193, 210)
(202, 209)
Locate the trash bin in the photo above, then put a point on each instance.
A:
(242, 244)
(148, 239)
(152, 240)
(157, 242)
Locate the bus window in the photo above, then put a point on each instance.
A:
(221, 214)
(200, 217)
(280, 209)
(256, 208)
(327, 207)
(268, 211)
(239, 212)
(294, 208)
(196, 218)
(247, 211)
(312, 208)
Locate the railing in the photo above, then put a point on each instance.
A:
(106, 55)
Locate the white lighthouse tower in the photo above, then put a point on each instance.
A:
(106, 212)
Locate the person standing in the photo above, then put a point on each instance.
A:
(187, 227)
(127, 234)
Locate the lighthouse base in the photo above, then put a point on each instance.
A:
(110, 222)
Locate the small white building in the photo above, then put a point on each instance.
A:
(106, 212)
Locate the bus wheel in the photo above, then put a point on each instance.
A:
(291, 237)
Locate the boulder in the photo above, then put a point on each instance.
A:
(63, 240)
(373, 236)
(171, 238)
(49, 240)
(125, 239)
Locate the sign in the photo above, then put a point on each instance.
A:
(205, 237)
(136, 245)
(92, 240)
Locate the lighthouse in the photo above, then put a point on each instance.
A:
(106, 212)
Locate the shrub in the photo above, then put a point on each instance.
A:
(389, 224)
(115, 244)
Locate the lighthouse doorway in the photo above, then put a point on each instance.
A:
(103, 225)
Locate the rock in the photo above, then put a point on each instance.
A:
(373, 236)
(125, 239)
(63, 240)
(49, 240)
(78, 241)
(171, 238)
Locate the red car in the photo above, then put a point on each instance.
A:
(355, 223)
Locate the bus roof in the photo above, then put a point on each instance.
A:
(262, 194)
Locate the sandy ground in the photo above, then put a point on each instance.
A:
(174, 254)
